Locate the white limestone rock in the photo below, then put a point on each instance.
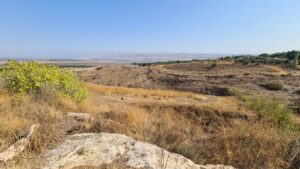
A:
(96, 149)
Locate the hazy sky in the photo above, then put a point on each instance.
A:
(37, 27)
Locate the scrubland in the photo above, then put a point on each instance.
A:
(242, 129)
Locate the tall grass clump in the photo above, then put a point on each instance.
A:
(31, 77)
(270, 110)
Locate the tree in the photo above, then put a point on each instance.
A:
(296, 57)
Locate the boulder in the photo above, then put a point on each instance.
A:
(98, 149)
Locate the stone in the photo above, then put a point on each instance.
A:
(80, 116)
(96, 149)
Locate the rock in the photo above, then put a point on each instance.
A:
(80, 116)
(18, 147)
(96, 149)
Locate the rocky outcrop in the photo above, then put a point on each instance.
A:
(92, 149)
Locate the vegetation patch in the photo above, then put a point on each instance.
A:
(274, 86)
(163, 62)
(31, 77)
(231, 76)
(271, 111)
(286, 75)
(290, 57)
(212, 66)
(99, 68)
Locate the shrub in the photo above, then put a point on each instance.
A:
(275, 86)
(231, 76)
(99, 68)
(270, 110)
(31, 77)
(286, 75)
(212, 66)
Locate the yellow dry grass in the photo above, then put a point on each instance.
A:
(19, 112)
(276, 69)
(108, 90)
(166, 97)
(201, 133)
(206, 129)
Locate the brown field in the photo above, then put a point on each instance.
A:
(197, 77)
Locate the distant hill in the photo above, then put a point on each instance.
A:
(119, 56)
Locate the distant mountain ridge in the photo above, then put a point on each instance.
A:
(119, 56)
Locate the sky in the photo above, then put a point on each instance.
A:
(54, 27)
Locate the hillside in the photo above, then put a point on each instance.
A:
(198, 113)
(198, 77)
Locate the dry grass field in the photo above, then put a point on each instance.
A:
(208, 129)
(197, 77)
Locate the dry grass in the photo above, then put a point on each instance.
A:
(276, 69)
(166, 97)
(203, 135)
(206, 129)
(18, 113)
(108, 90)
(252, 146)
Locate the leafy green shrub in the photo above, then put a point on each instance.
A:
(275, 86)
(27, 77)
(270, 110)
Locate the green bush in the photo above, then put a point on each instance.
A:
(28, 77)
(275, 86)
(270, 110)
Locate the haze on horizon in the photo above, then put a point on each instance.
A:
(86, 29)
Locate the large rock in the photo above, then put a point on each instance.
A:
(91, 149)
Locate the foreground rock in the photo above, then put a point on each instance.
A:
(91, 149)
